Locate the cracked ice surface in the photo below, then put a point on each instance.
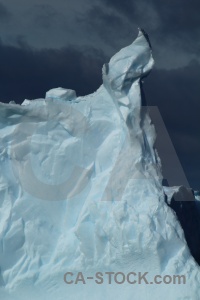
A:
(80, 190)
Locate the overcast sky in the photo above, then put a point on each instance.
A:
(48, 43)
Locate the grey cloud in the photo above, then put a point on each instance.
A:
(171, 16)
(4, 12)
(179, 15)
(138, 12)
(109, 25)
(45, 15)
(103, 23)
(173, 27)
(127, 7)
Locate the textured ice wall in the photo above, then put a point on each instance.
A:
(80, 190)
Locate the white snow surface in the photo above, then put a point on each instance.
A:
(80, 191)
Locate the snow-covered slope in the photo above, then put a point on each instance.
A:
(81, 191)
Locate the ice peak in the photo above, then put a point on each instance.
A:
(128, 65)
(81, 191)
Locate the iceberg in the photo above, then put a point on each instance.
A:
(83, 213)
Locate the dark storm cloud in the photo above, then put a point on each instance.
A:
(25, 73)
(176, 93)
